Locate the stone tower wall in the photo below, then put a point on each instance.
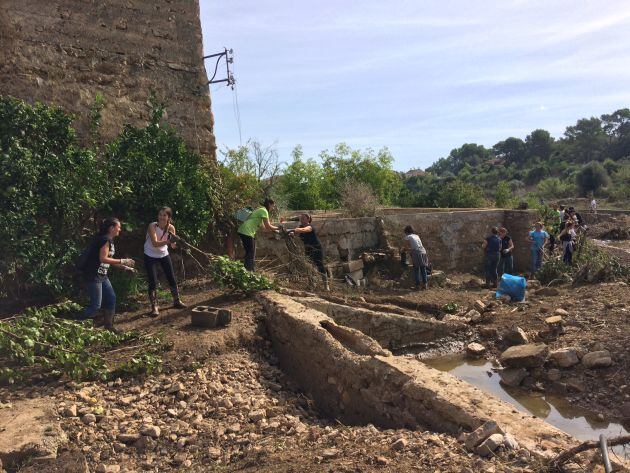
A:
(64, 52)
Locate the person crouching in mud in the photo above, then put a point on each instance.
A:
(419, 257)
(312, 245)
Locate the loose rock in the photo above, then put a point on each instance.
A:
(400, 444)
(489, 445)
(597, 359)
(475, 349)
(512, 376)
(152, 431)
(565, 357)
(516, 336)
(525, 356)
(481, 433)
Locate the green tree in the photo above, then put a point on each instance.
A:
(539, 143)
(503, 195)
(345, 164)
(585, 141)
(591, 178)
(153, 167)
(513, 150)
(617, 127)
(302, 183)
(461, 194)
(49, 187)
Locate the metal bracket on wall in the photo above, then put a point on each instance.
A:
(227, 54)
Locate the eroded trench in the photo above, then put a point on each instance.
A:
(371, 363)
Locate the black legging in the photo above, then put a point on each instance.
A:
(150, 264)
(316, 254)
(249, 244)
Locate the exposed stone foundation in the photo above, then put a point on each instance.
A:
(351, 379)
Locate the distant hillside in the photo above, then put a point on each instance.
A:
(592, 157)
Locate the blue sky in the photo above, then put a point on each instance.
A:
(420, 77)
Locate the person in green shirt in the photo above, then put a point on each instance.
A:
(247, 230)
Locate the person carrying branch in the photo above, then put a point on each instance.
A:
(94, 264)
(312, 245)
(156, 245)
(247, 231)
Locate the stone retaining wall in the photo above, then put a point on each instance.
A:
(350, 380)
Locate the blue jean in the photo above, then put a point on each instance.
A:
(100, 292)
(492, 265)
(537, 258)
(420, 275)
(506, 264)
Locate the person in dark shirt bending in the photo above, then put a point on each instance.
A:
(312, 245)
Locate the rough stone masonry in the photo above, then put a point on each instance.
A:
(65, 52)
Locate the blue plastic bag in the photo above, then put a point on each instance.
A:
(513, 286)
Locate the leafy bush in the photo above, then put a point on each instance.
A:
(49, 187)
(553, 269)
(591, 178)
(41, 343)
(153, 167)
(232, 274)
(53, 190)
(461, 194)
(503, 195)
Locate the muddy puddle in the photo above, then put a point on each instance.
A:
(555, 410)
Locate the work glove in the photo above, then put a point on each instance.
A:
(128, 262)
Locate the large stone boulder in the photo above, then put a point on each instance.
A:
(597, 359)
(565, 357)
(531, 355)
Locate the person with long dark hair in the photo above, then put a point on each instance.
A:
(247, 231)
(156, 245)
(312, 245)
(95, 263)
(506, 261)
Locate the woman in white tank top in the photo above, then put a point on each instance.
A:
(156, 247)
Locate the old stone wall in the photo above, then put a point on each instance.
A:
(452, 238)
(65, 52)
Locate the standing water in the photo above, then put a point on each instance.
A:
(555, 410)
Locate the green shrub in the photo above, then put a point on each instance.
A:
(49, 187)
(153, 167)
(53, 191)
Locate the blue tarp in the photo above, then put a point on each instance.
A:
(513, 286)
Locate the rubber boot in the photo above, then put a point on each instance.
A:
(154, 304)
(99, 319)
(177, 303)
(108, 321)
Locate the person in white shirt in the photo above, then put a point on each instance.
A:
(419, 257)
(156, 254)
(594, 206)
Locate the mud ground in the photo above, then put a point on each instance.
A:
(221, 404)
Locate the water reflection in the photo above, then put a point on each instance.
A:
(556, 410)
